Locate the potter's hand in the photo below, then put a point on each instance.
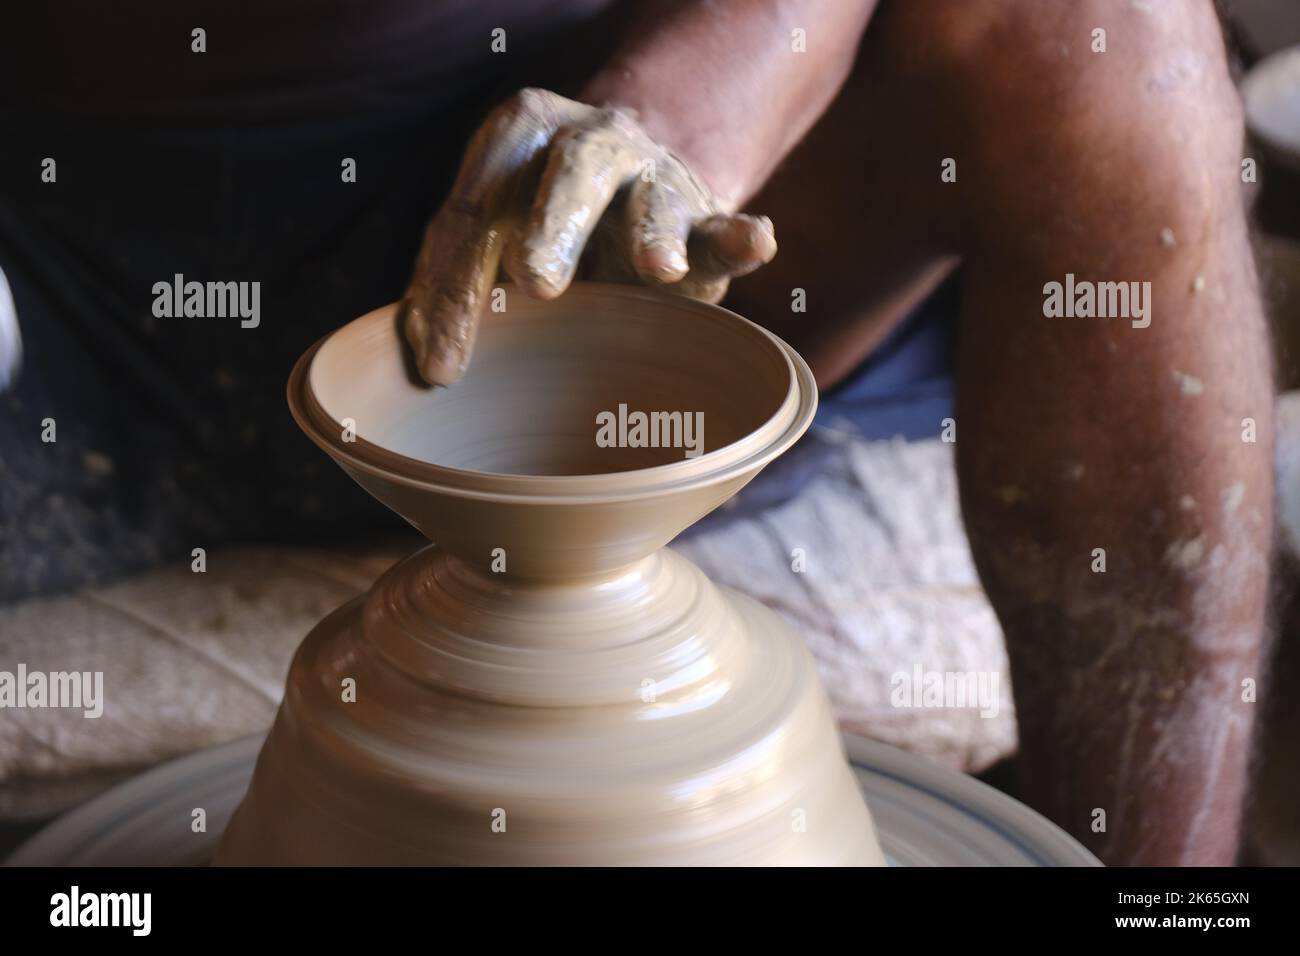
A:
(548, 185)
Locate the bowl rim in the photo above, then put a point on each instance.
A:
(793, 416)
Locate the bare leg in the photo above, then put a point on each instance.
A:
(1076, 436)
(1085, 434)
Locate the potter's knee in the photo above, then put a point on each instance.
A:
(1089, 114)
(1008, 62)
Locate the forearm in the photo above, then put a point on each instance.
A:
(1116, 472)
(1120, 508)
(722, 85)
(1134, 690)
(1131, 573)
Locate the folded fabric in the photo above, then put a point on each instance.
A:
(883, 585)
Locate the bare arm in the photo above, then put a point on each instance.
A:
(642, 181)
(724, 84)
(1116, 474)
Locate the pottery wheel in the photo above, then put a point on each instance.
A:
(926, 815)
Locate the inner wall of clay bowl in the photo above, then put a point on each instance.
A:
(560, 388)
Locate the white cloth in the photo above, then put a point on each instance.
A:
(192, 660)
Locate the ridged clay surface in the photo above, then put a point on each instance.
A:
(598, 702)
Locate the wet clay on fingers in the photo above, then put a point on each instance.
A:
(547, 683)
(550, 188)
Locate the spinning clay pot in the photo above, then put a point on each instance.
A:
(547, 683)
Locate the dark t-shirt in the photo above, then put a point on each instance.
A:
(225, 166)
(172, 432)
(278, 59)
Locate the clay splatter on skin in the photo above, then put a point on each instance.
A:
(532, 195)
(1224, 732)
(1188, 384)
(1180, 71)
(1200, 704)
(1177, 669)
(1185, 555)
(1231, 498)
(1132, 724)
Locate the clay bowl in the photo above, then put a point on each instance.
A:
(508, 457)
(601, 692)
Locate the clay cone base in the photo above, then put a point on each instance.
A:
(549, 684)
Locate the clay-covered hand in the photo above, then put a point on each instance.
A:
(550, 188)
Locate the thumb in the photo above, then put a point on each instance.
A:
(454, 273)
